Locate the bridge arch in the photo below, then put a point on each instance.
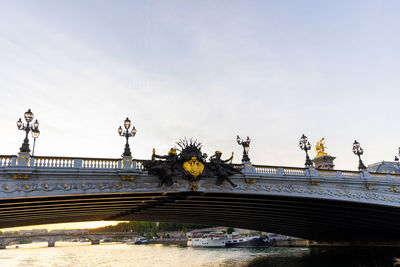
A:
(314, 204)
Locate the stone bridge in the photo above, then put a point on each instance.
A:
(51, 239)
(321, 205)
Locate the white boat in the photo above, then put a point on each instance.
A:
(212, 239)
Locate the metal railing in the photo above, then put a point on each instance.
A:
(53, 162)
(5, 161)
(266, 169)
(100, 163)
(351, 174)
(137, 164)
(294, 171)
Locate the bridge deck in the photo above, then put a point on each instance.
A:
(302, 202)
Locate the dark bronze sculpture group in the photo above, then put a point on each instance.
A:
(190, 163)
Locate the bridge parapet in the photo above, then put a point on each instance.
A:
(48, 162)
(7, 161)
(69, 162)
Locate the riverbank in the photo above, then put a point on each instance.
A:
(290, 242)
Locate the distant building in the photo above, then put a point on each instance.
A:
(384, 167)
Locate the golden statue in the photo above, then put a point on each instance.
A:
(320, 148)
(172, 151)
(194, 167)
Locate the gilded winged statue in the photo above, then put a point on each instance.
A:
(320, 148)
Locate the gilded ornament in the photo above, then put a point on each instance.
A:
(171, 151)
(370, 186)
(250, 180)
(194, 186)
(128, 177)
(320, 148)
(194, 167)
(20, 176)
(188, 161)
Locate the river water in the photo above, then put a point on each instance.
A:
(120, 255)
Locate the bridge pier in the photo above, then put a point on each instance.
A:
(51, 244)
(3, 246)
(95, 242)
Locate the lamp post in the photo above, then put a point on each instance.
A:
(126, 133)
(246, 145)
(35, 135)
(27, 128)
(396, 159)
(357, 150)
(305, 145)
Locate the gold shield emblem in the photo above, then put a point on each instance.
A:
(194, 167)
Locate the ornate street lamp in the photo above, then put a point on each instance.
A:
(305, 145)
(27, 128)
(357, 150)
(126, 133)
(396, 159)
(246, 145)
(35, 135)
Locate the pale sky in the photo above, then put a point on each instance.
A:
(272, 70)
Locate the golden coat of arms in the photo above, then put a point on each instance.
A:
(194, 167)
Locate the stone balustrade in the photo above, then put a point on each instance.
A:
(137, 164)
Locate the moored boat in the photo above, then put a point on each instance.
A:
(212, 239)
(236, 240)
(138, 241)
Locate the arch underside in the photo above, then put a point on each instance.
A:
(314, 219)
